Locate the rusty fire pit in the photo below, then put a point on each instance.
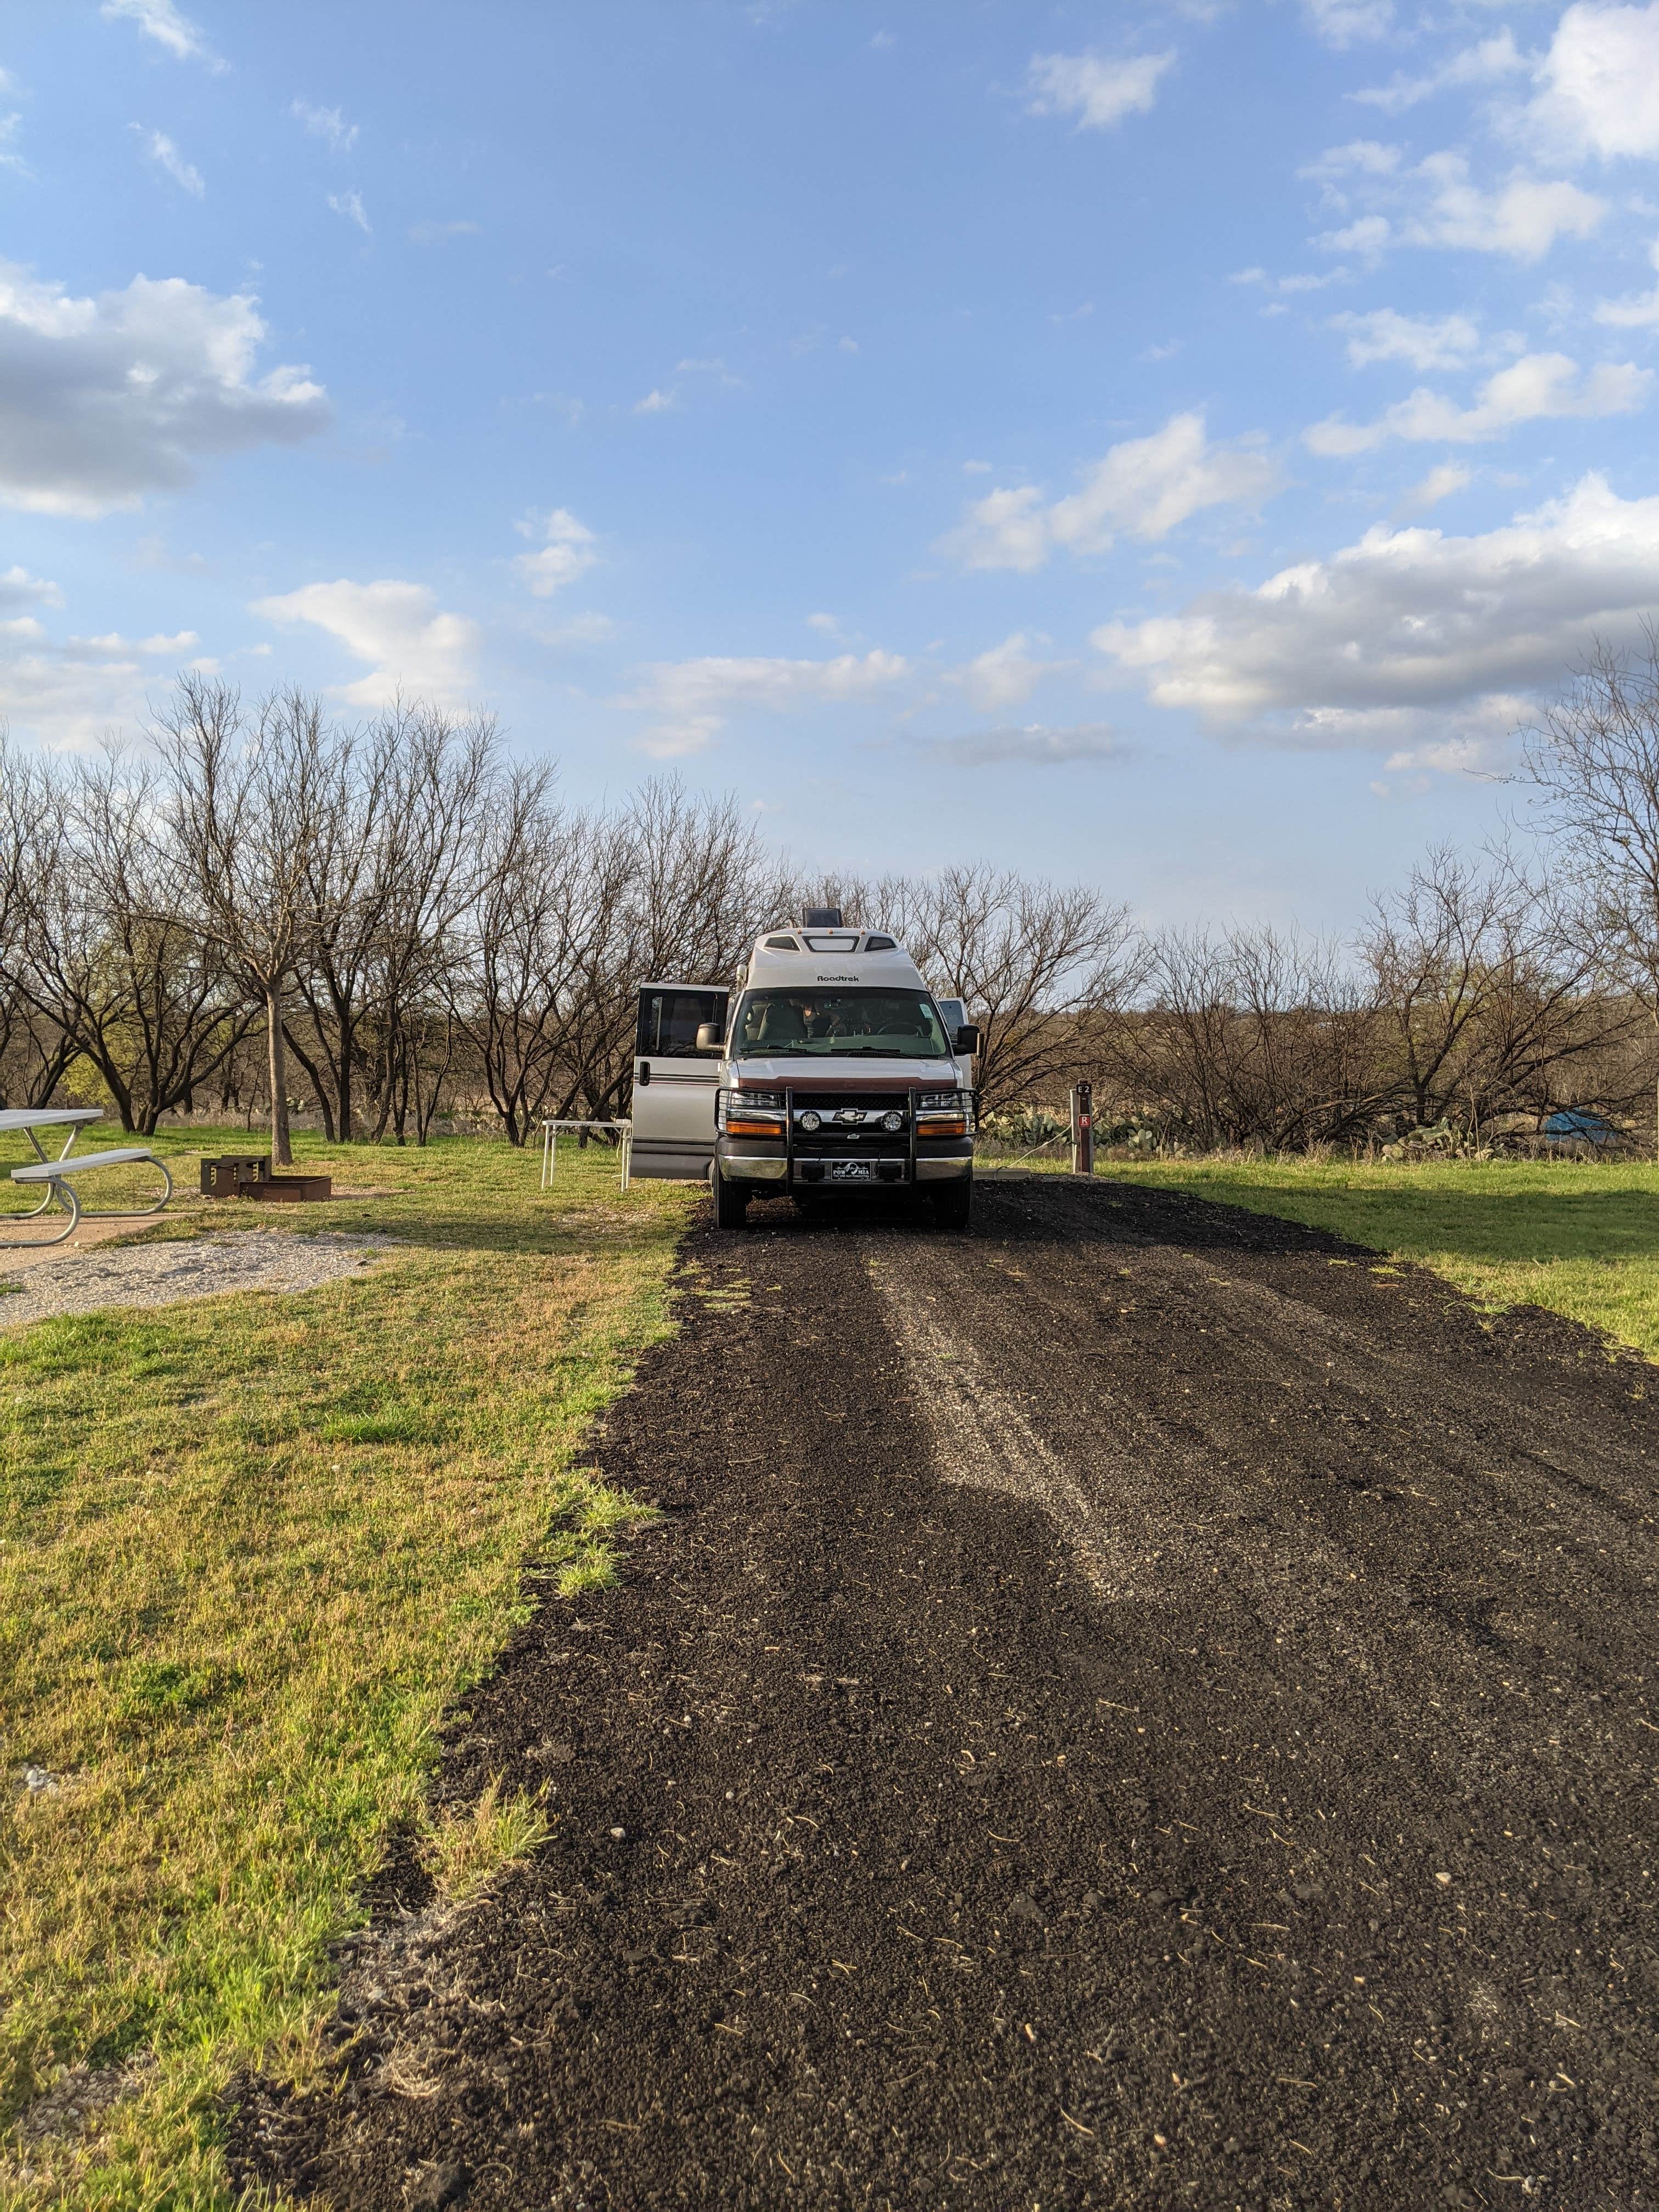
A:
(287, 1190)
(236, 1175)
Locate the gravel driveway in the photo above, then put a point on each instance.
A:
(202, 1267)
(1128, 1708)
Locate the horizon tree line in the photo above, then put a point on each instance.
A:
(261, 902)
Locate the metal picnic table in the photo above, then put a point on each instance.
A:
(55, 1175)
(551, 1145)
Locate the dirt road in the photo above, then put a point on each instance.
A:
(1136, 1707)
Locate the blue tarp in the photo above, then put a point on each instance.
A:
(1575, 1122)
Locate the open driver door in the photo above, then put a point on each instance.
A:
(674, 1083)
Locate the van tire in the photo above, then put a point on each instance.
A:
(953, 1205)
(731, 1200)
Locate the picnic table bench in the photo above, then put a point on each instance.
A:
(55, 1176)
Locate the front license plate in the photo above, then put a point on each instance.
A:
(851, 1170)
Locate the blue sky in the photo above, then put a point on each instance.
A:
(1166, 445)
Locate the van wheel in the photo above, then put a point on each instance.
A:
(953, 1206)
(731, 1200)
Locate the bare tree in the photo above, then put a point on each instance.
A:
(387, 886)
(37, 1046)
(1484, 986)
(505, 991)
(443, 775)
(1027, 958)
(681, 886)
(1593, 758)
(1432, 947)
(252, 810)
(1255, 1037)
(120, 960)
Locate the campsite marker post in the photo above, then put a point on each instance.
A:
(1082, 1128)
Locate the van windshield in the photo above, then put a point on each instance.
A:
(823, 1024)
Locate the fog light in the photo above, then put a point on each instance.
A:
(810, 1121)
(892, 1120)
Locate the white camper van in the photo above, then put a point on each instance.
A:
(830, 1070)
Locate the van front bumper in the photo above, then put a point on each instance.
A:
(813, 1173)
(754, 1167)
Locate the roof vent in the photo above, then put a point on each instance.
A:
(823, 917)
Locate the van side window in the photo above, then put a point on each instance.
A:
(669, 1021)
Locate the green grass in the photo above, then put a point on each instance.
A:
(251, 1548)
(1576, 1237)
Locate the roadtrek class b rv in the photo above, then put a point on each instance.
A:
(832, 1070)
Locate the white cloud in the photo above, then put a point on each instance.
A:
(825, 625)
(69, 695)
(350, 205)
(161, 149)
(1145, 486)
(1340, 22)
(10, 156)
(1637, 313)
(104, 399)
(1006, 675)
(1598, 83)
(324, 123)
(1371, 647)
(395, 626)
(19, 588)
(1358, 157)
(66, 704)
(1035, 747)
(1299, 282)
(112, 646)
(431, 232)
(1425, 341)
(580, 629)
(1006, 529)
(568, 552)
(1098, 90)
(1435, 204)
(1539, 386)
(160, 19)
(692, 700)
(1523, 218)
(657, 402)
(1441, 481)
(1370, 235)
(1489, 63)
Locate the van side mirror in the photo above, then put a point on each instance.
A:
(711, 1037)
(966, 1039)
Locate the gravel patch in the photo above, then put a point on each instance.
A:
(158, 1275)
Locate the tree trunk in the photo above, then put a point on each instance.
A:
(282, 1151)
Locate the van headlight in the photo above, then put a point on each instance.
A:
(944, 1113)
(750, 1113)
